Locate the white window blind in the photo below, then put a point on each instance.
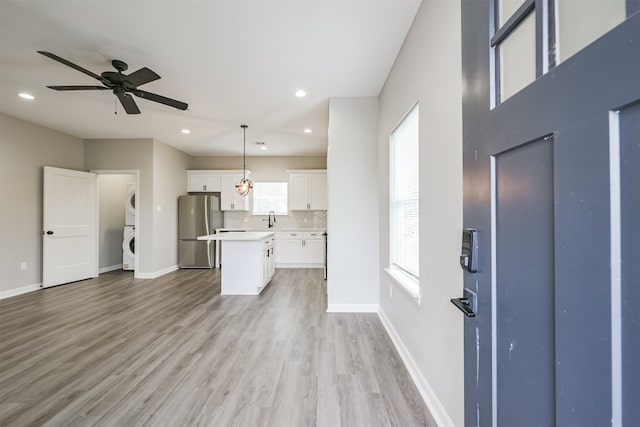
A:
(404, 194)
(269, 196)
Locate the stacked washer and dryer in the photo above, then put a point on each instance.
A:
(129, 237)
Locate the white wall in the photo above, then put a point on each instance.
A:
(353, 204)
(24, 149)
(112, 190)
(428, 70)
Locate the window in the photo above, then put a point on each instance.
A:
(403, 203)
(269, 196)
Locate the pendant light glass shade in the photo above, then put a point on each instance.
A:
(245, 185)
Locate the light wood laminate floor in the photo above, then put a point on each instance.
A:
(117, 351)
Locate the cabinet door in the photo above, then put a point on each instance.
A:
(212, 182)
(318, 192)
(240, 203)
(278, 250)
(227, 191)
(293, 251)
(299, 192)
(195, 182)
(314, 251)
(230, 200)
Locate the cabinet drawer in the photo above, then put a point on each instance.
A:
(293, 235)
(312, 235)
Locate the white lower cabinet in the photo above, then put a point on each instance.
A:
(300, 249)
(268, 260)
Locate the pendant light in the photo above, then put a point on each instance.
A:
(245, 185)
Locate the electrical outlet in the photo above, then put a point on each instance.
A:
(246, 219)
(305, 219)
(23, 265)
(390, 291)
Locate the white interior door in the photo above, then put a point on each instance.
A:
(69, 226)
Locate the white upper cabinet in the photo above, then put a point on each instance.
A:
(203, 181)
(230, 200)
(219, 181)
(308, 190)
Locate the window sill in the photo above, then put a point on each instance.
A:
(408, 284)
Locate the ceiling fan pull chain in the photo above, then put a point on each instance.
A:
(115, 106)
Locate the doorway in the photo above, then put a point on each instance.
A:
(118, 219)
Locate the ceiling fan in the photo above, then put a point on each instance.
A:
(122, 85)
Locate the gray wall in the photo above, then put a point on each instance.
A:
(352, 223)
(169, 182)
(112, 190)
(162, 179)
(263, 168)
(130, 154)
(24, 149)
(428, 70)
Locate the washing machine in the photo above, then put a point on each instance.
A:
(129, 248)
(130, 205)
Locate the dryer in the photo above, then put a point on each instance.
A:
(130, 205)
(129, 248)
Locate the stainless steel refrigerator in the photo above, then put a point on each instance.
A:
(198, 216)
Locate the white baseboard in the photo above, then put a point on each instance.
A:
(430, 398)
(293, 265)
(110, 268)
(19, 291)
(158, 273)
(352, 308)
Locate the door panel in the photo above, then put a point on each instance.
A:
(69, 224)
(525, 301)
(630, 266)
(583, 298)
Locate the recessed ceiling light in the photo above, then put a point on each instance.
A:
(24, 95)
(185, 131)
(262, 145)
(300, 93)
(308, 131)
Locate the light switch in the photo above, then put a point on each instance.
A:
(158, 208)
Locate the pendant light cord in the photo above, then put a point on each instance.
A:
(244, 151)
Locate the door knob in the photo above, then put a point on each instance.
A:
(49, 232)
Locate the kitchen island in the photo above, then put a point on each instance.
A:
(248, 261)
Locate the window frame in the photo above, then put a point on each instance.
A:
(407, 280)
(256, 191)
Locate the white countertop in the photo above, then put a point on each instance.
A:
(272, 230)
(243, 235)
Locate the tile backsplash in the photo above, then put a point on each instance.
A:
(295, 219)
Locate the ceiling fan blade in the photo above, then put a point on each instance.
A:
(142, 76)
(78, 87)
(69, 64)
(127, 102)
(161, 99)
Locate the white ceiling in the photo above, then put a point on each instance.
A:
(233, 62)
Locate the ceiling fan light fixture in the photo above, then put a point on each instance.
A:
(27, 96)
(245, 185)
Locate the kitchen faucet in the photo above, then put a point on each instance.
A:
(271, 224)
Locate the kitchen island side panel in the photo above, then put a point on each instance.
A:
(242, 269)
